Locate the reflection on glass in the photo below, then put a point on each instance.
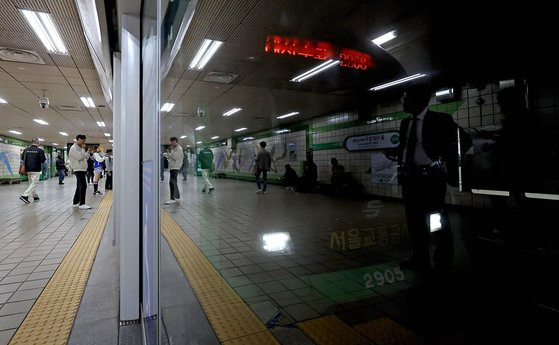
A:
(277, 242)
(435, 222)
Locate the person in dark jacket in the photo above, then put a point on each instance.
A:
(33, 159)
(428, 159)
(206, 159)
(289, 178)
(308, 181)
(263, 163)
(60, 169)
(90, 162)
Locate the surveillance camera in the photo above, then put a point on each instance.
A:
(44, 102)
(200, 112)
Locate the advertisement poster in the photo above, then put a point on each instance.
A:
(292, 152)
(383, 170)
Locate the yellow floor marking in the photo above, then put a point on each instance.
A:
(52, 316)
(262, 338)
(385, 331)
(232, 320)
(330, 330)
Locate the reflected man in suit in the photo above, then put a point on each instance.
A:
(428, 160)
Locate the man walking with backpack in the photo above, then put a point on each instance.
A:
(33, 159)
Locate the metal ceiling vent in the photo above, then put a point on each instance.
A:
(20, 55)
(220, 77)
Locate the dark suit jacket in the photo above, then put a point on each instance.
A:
(440, 141)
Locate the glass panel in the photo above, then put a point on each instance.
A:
(317, 173)
(150, 56)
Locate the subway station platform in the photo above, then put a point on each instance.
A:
(333, 278)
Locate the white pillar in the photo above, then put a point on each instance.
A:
(127, 159)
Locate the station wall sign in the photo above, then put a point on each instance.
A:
(375, 141)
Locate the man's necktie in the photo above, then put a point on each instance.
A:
(412, 141)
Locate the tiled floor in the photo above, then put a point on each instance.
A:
(34, 239)
(343, 260)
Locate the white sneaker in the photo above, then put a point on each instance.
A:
(264, 192)
(84, 207)
(259, 191)
(171, 202)
(75, 205)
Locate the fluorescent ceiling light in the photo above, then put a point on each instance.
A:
(88, 102)
(45, 29)
(283, 131)
(100, 123)
(240, 129)
(111, 140)
(542, 196)
(313, 71)
(55, 144)
(385, 38)
(216, 137)
(205, 53)
(3, 101)
(63, 133)
(15, 132)
(491, 192)
(167, 107)
(232, 111)
(199, 128)
(187, 145)
(447, 92)
(107, 134)
(396, 82)
(42, 122)
(248, 138)
(183, 136)
(198, 142)
(40, 139)
(287, 115)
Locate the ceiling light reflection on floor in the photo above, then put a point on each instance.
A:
(277, 242)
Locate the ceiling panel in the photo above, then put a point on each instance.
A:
(59, 78)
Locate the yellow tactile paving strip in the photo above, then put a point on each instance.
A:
(385, 331)
(232, 320)
(262, 338)
(52, 316)
(330, 330)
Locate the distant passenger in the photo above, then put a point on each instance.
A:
(90, 174)
(163, 164)
(78, 162)
(206, 159)
(60, 169)
(109, 170)
(289, 178)
(184, 167)
(98, 160)
(175, 157)
(263, 163)
(33, 158)
(307, 182)
(338, 173)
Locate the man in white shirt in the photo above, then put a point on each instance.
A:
(175, 157)
(78, 162)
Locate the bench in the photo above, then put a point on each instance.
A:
(9, 180)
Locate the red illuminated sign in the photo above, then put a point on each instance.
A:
(318, 50)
